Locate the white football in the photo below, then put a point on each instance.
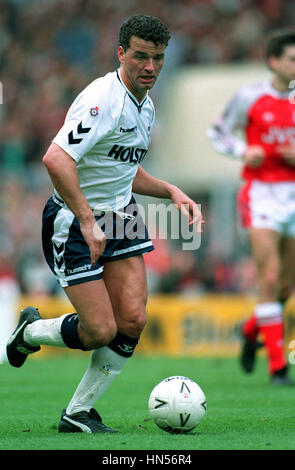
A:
(177, 404)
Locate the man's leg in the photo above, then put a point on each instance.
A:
(97, 325)
(286, 287)
(267, 318)
(287, 274)
(92, 326)
(125, 281)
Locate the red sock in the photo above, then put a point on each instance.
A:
(273, 336)
(271, 327)
(250, 329)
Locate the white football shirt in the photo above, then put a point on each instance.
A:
(107, 133)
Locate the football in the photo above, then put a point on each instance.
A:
(177, 404)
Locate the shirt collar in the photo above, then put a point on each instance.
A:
(274, 92)
(132, 97)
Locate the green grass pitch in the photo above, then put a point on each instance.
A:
(243, 411)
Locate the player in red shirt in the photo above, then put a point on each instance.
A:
(265, 112)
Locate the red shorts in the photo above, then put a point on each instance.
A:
(268, 205)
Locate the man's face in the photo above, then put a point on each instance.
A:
(284, 66)
(141, 65)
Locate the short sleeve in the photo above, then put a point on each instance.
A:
(88, 120)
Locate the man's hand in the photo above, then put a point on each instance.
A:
(146, 184)
(187, 207)
(94, 237)
(288, 153)
(253, 156)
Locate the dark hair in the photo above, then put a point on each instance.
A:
(144, 27)
(277, 42)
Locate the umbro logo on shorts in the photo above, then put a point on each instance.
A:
(80, 130)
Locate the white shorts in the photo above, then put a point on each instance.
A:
(268, 205)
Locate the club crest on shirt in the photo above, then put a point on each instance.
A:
(94, 111)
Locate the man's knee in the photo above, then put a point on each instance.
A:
(132, 322)
(138, 322)
(270, 279)
(94, 335)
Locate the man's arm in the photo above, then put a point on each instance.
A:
(146, 184)
(63, 173)
(223, 132)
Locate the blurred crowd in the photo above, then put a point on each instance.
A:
(51, 49)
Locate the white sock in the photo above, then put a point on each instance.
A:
(268, 313)
(46, 332)
(104, 367)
